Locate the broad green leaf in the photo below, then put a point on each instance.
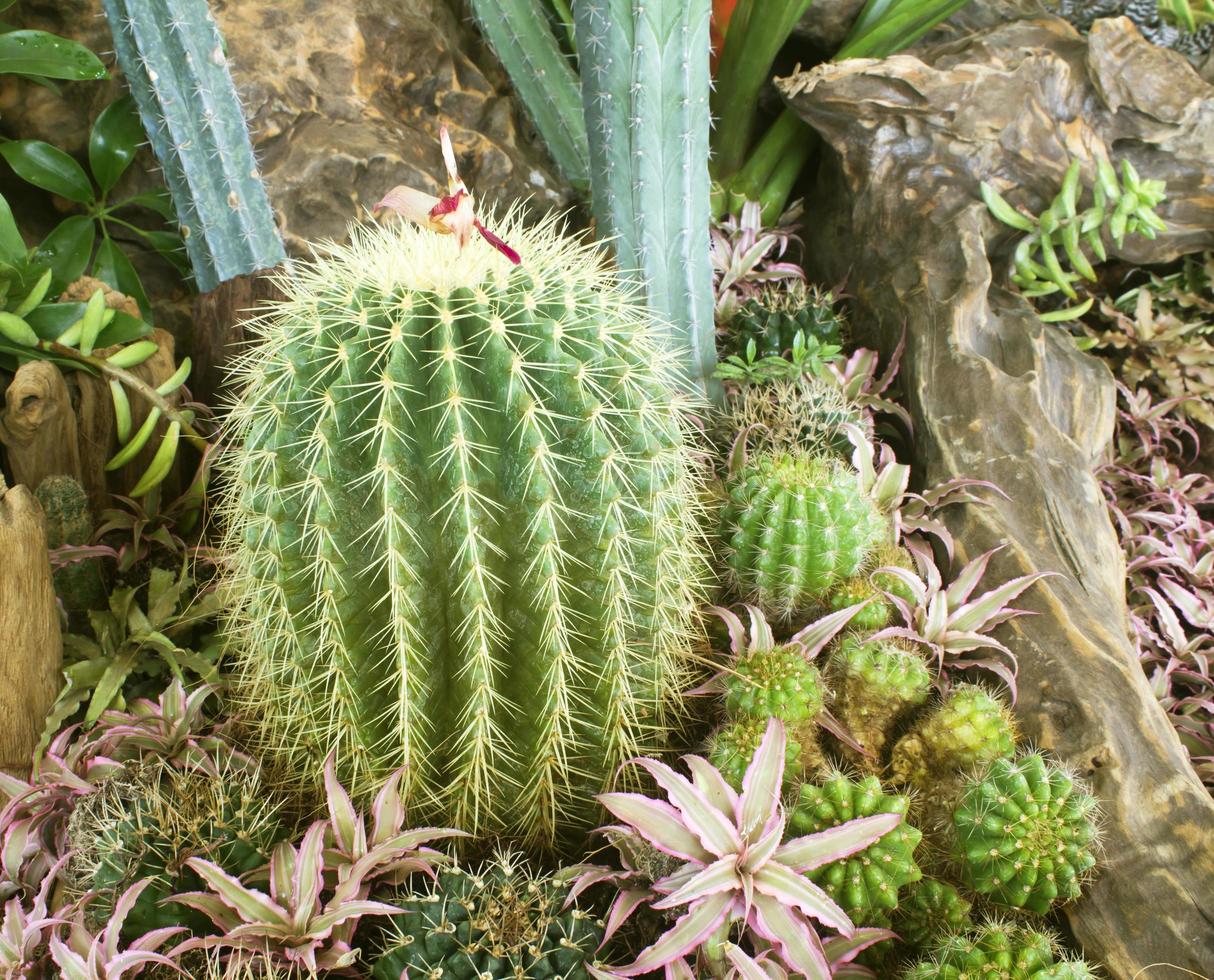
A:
(112, 267)
(109, 687)
(157, 200)
(48, 167)
(67, 249)
(114, 141)
(12, 245)
(49, 56)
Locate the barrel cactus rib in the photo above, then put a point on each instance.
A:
(465, 526)
(172, 56)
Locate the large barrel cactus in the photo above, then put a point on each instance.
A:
(463, 525)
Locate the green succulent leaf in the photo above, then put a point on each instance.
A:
(12, 245)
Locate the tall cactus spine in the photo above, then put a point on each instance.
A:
(464, 526)
(645, 88)
(519, 34)
(173, 57)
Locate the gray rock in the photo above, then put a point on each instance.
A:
(998, 395)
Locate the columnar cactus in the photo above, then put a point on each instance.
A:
(865, 884)
(1025, 833)
(172, 56)
(497, 923)
(795, 526)
(463, 526)
(969, 729)
(875, 682)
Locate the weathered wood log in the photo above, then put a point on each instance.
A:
(997, 395)
(218, 334)
(31, 652)
(38, 425)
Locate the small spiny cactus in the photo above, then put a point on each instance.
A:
(807, 412)
(873, 585)
(733, 745)
(969, 729)
(867, 883)
(498, 923)
(148, 820)
(795, 526)
(875, 683)
(463, 527)
(997, 951)
(775, 315)
(929, 910)
(1026, 833)
(776, 683)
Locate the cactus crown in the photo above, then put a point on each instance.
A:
(463, 525)
(1026, 833)
(501, 921)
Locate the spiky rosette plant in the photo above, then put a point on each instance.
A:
(999, 951)
(1026, 833)
(794, 525)
(499, 922)
(463, 522)
(866, 884)
(144, 824)
(969, 729)
(875, 683)
(931, 909)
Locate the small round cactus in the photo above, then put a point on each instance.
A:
(875, 683)
(929, 910)
(1066, 970)
(776, 683)
(732, 746)
(774, 317)
(806, 412)
(795, 526)
(969, 729)
(498, 923)
(873, 586)
(866, 884)
(148, 820)
(1025, 833)
(997, 951)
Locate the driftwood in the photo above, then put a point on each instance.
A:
(31, 653)
(218, 333)
(62, 423)
(997, 395)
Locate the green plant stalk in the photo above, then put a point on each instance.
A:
(887, 26)
(172, 55)
(519, 32)
(645, 92)
(757, 31)
(780, 138)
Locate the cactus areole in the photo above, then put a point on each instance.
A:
(463, 526)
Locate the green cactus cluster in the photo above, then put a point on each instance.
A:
(970, 728)
(777, 683)
(872, 586)
(464, 526)
(999, 951)
(929, 910)
(499, 922)
(1026, 833)
(876, 682)
(776, 314)
(795, 526)
(866, 884)
(806, 412)
(146, 821)
(732, 746)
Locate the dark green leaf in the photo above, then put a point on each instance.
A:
(40, 53)
(48, 167)
(113, 142)
(122, 330)
(68, 248)
(171, 248)
(50, 319)
(113, 267)
(157, 200)
(12, 245)
(887, 26)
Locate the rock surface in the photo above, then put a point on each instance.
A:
(344, 101)
(997, 395)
